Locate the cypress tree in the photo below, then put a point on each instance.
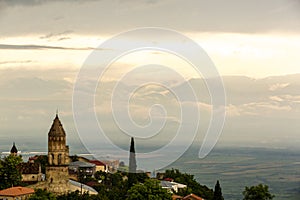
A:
(132, 179)
(218, 192)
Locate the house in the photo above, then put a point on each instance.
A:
(172, 186)
(31, 172)
(160, 175)
(100, 166)
(192, 197)
(112, 165)
(167, 185)
(15, 193)
(82, 169)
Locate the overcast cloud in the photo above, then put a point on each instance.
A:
(106, 17)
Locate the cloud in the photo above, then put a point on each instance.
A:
(33, 2)
(16, 62)
(257, 109)
(276, 98)
(41, 47)
(33, 96)
(278, 86)
(286, 98)
(57, 35)
(106, 17)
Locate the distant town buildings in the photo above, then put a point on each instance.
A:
(63, 176)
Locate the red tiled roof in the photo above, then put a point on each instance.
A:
(97, 162)
(192, 196)
(92, 183)
(175, 197)
(16, 191)
(169, 179)
(33, 158)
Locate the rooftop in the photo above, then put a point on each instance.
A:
(81, 164)
(192, 197)
(14, 149)
(29, 168)
(97, 162)
(16, 191)
(85, 187)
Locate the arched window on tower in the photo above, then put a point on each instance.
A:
(52, 156)
(59, 159)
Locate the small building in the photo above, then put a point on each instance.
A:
(167, 185)
(192, 197)
(172, 186)
(112, 165)
(15, 193)
(82, 169)
(160, 175)
(31, 172)
(100, 166)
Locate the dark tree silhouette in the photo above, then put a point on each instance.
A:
(132, 179)
(260, 192)
(132, 160)
(218, 192)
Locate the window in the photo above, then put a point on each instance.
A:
(59, 159)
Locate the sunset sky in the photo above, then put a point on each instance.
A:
(254, 45)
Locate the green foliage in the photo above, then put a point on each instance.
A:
(74, 158)
(9, 174)
(132, 179)
(42, 195)
(142, 177)
(43, 160)
(192, 185)
(112, 185)
(260, 192)
(115, 186)
(149, 190)
(78, 196)
(218, 192)
(74, 196)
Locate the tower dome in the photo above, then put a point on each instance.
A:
(14, 150)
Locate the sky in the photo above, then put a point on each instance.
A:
(254, 45)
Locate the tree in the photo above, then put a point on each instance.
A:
(192, 185)
(42, 195)
(74, 196)
(132, 179)
(150, 190)
(218, 192)
(260, 192)
(111, 185)
(43, 161)
(74, 158)
(9, 173)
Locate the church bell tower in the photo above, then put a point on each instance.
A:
(57, 174)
